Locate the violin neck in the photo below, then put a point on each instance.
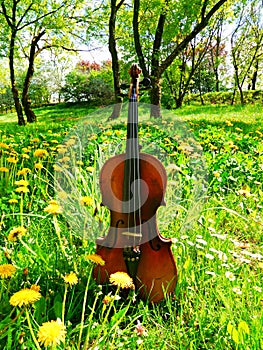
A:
(132, 143)
(132, 172)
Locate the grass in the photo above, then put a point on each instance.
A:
(213, 213)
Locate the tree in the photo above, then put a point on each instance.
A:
(176, 25)
(114, 56)
(246, 47)
(29, 30)
(182, 73)
(89, 82)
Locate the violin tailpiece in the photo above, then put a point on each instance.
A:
(131, 256)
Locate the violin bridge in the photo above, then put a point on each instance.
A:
(132, 234)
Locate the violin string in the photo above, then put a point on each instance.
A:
(138, 158)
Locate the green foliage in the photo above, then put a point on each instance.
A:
(91, 85)
(250, 97)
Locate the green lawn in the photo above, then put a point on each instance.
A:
(213, 157)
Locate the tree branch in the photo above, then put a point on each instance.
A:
(4, 12)
(39, 18)
(136, 37)
(197, 29)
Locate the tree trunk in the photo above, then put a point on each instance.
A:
(155, 97)
(15, 92)
(254, 76)
(31, 117)
(115, 61)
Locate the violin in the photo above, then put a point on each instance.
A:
(132, 187)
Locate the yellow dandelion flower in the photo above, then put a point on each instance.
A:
(25, 156)
(12, 201)
(71, 278)
(35, 287)
(245, 191)
(12, 160)
(65, 159)
(4, 145)
(22, 189)
(95, 258)
(90, 169)
(61, 149)
(51, 333)
(228, 123)
(3, 169)
(57, 168)
(62, 195)
(86, 200)
(38, 166)
(24, 297)
(25, 150)
(35, 140)
(53, 208)
(70, 142)
(122, 280)
(16, 232)
(23, 171)
(7, 270)
(216, 174)
(22, 183)
(40, 153)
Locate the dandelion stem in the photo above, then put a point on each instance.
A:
(64, 304)
(84, 308)
(107, 314)
(21, 210)
(31, 331)
(57, 229)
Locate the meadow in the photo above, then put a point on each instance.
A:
(51, 215)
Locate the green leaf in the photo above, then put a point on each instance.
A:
(58, 306)
(233, 332)
(117, 317)
(243, 327)
(188, 263)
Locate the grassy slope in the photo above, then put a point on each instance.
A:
(218, 296)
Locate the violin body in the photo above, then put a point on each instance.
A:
(132, 187)
(156, 272)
